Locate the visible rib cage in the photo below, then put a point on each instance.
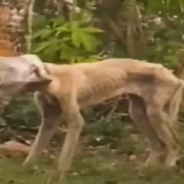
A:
(116, 79)
(155, 95)
(99, 88)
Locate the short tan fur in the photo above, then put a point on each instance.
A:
(155, 95)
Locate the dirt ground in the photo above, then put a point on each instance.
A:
(100, 168)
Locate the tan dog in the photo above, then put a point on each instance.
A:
(154, 91)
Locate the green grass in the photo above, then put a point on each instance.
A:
(92, 168)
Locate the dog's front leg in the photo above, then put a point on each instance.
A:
(51, 117)
(75, 122)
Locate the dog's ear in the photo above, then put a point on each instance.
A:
(40, 75)
(39, 66)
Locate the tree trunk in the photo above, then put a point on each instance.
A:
(123, 27)
(15, 31)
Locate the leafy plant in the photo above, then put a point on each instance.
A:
(22, 111)
(71, 42)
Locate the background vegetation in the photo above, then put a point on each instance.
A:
(85, 31)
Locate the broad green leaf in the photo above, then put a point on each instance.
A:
(58, 22)
(49, 54)
(41, 46)
(75, 34)
(67, 52)
(64, 39)
(54, 44)
(74, 25)
(42, 33)
(91, 30)
(62, 29)
(76, 38)
(89, 42)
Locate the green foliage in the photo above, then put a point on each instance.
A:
(77, 39)
(91, 167)
(22, 111)
(164, 40)
(164, 30)
(166, 6)
(104, 133)
(59, 40)
(114, 135)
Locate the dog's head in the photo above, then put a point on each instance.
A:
(22, 74)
